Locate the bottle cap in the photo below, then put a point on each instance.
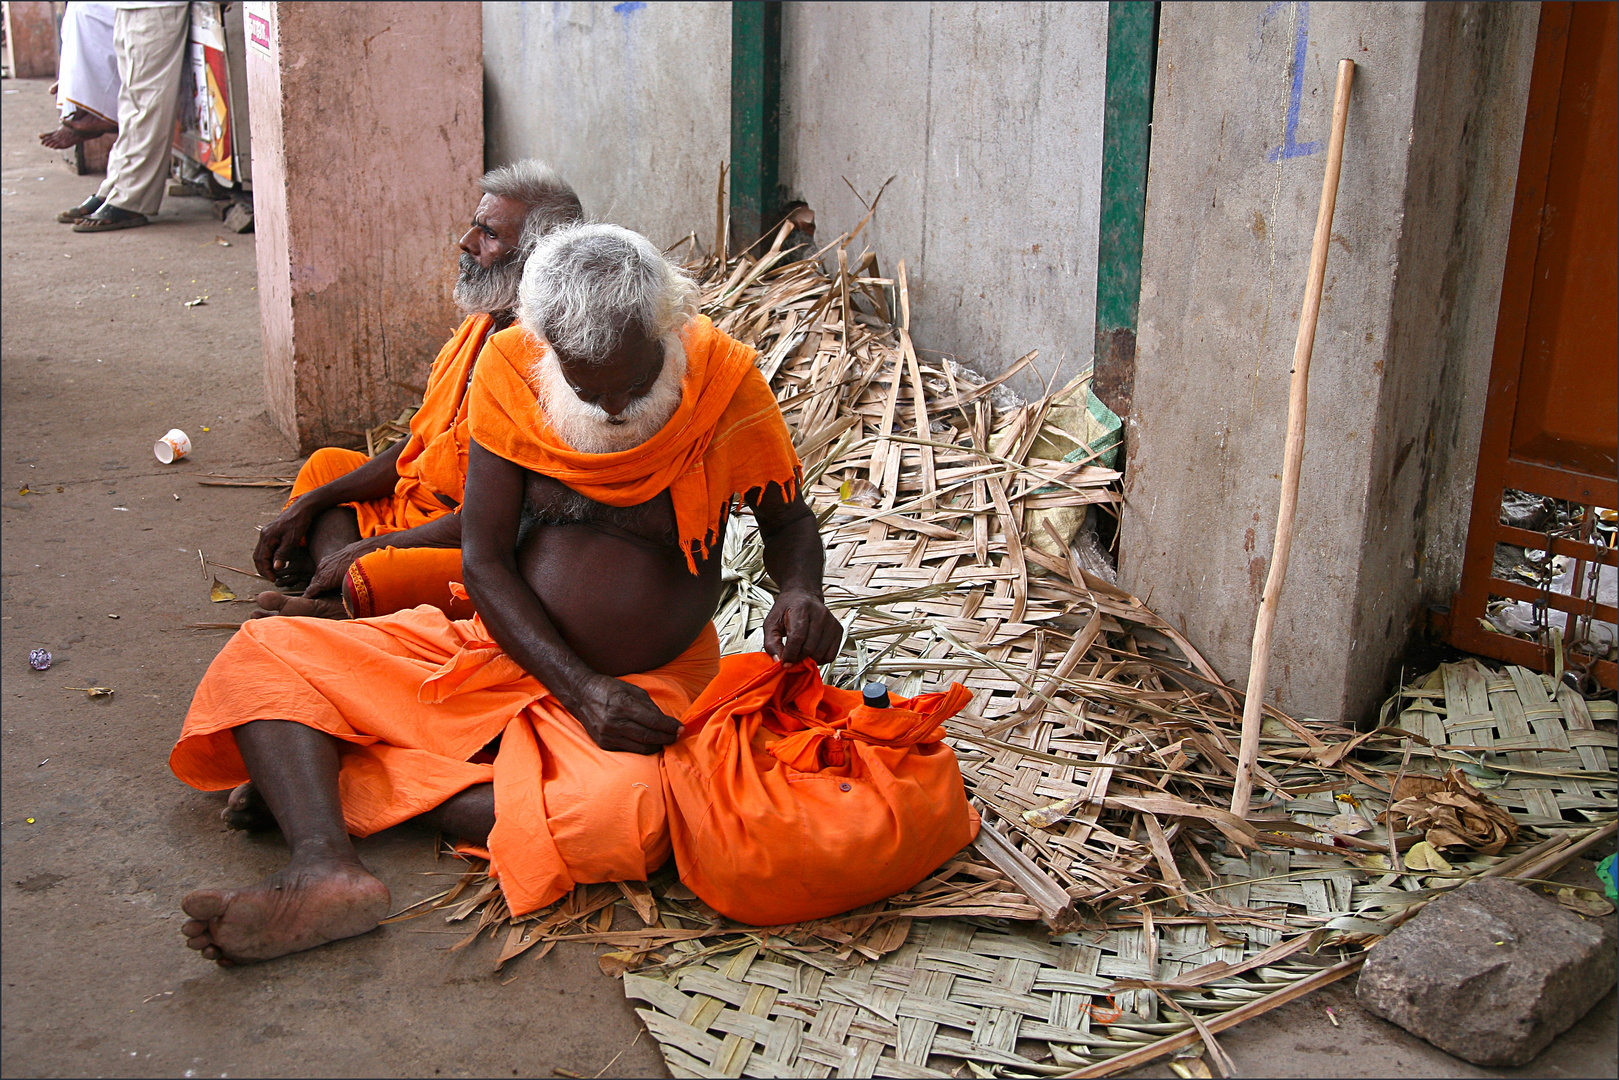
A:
(875, 695)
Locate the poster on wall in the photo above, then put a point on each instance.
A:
(203, 131)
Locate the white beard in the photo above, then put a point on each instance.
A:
(587, 428)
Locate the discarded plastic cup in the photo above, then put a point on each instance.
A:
(172, 447)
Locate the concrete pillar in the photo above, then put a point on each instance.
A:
(988, 117)
(31, 44)
(367, 125)
(1402, 355)
(630, 102)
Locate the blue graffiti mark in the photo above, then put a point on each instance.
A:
(1291, 147)
(628, 6)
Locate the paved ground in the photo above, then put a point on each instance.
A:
(98, 840)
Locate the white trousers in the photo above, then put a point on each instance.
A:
(151, 47)
(89, 69)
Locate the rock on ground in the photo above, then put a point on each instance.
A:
(1491, 972)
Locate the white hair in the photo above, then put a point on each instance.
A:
(585, 285)
(551, 200)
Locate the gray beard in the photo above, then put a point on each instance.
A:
(487, 292)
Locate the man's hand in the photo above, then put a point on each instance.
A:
(621, 716)
(800, 625)
(281, 538)
(329, 574)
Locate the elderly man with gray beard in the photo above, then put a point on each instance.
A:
(385, 530)
(615, 433)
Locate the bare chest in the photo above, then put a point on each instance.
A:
(547, 501)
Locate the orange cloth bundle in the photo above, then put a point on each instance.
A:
(790, 800)
(726, 438)
(393, 579)
(434, 460)
(415, 696)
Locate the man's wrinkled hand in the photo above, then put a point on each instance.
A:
(329, 574)
(621, 716)
(279, 539)
(800, 625)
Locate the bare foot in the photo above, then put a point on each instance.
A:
(293, 909)
(246, 810)
(318, 607)
(62, 138)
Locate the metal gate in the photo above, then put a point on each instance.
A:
(1550, 418)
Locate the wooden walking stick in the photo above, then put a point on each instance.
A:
(1297, 399)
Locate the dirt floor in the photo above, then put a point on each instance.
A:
(99, 842)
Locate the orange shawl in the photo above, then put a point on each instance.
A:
(434, 461)
(727, 437)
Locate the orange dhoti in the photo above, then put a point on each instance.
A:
(382, 582)
(378, 516)
(414, 697)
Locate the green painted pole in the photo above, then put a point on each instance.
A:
(1132, 55)
(755, 118)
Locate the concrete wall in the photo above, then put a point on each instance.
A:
(631, 102)
(1403, 345)
(368, 141)
(989, 118)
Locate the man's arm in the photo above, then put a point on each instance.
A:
(799, 623)
(441, 532)
(373, 480)
(617, 714)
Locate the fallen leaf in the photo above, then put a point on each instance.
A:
(615, 964)
(92, 691)
(1044, 817)
(1349, 824)
(1424, 856)
(221, 592)
(1584, 902)
(858, 492)
(1191, 1067)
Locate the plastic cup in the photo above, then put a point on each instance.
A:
(172, 447)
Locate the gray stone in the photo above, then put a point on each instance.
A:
(1491, 973)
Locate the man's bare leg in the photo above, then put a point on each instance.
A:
(333, 531)
(324, 892)
(468, 815)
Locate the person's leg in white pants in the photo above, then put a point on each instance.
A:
(150, 43)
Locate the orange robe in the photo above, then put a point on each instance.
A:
(414, 697)
(434, 460)
(726, 439)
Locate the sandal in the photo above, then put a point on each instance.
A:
(108, 218)
(81, 211)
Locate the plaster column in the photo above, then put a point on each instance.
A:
(367, 124)
(1241, 115)
(31, 44)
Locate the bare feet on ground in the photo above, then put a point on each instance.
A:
(296, 908)
(279, 603)
(246, 810)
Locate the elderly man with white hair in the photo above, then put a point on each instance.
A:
(368, 536)
(614, 433)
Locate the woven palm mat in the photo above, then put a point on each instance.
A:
(1531, 743)
(1099, 747)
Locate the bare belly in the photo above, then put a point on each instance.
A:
(622, 604)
